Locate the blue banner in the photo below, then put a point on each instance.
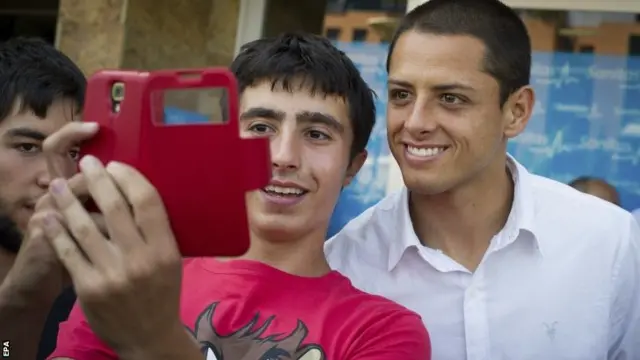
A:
(586, 122)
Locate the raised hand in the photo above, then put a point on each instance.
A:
(128, 282)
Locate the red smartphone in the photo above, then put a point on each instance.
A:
(202, 171)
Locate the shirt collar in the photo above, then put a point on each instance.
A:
(521, 218)
(406, 235)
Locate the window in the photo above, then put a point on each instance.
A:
(332, 33)
(359, 34)
(395, 6)
(634, 45)
(586, 49)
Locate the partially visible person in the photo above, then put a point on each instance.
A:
(41, 90)
(596, 187)
(636, 214)
(500, 263)
(280, 300)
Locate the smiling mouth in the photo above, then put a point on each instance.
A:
(282, 191)
(425, 152)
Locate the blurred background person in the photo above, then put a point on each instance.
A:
(596, 187)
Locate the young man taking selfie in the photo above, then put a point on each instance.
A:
(280, 300)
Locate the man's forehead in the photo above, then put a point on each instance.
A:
(291, 102)
(424, 54)
(27, 119)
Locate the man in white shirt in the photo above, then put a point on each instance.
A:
(636, 214)
(500, 263)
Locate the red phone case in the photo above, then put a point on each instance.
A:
(202, 171)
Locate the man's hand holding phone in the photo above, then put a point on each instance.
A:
(37, 277)
(127, 281)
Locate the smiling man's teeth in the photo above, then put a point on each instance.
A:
(283, 190)
(424, 152)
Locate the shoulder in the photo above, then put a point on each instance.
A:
(553, 195)
(389, 330)
(575, 215)
(595, 232)
(368, 234)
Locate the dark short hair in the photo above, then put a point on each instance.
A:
(581, 183)
(501, 30)
(36, 74)
(586, 184)
(312, 63)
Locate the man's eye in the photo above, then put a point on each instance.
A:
(451, 99)
(318, 135)
(260, 128)
(399, 94)
(74, 154)
(28, 148)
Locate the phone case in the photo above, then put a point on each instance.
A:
(202, 171)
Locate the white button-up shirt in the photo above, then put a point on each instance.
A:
(560, 281)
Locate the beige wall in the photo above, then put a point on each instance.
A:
(155, 34)
(165, 34)
(147, 34)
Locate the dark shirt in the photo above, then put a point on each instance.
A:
(59, 313)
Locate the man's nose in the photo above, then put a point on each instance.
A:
(44, 178)
(421, 121)
(285, 151)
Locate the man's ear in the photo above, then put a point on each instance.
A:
(518, 110)
(354, 167)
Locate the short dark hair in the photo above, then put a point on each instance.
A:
(501, 30)
(586, 184)
(312, 62)
(36, 74)
(582, 183)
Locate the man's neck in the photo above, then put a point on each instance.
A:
(462, 222)
(303, 256)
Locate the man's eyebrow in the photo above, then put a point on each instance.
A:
(262, 112)
(452, 86)
(26, 133)
(396, 82)
(310, 117)
(315, 117)
(439, 87)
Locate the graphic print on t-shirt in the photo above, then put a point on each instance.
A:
(249, 343)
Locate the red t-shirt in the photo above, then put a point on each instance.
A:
(240, 308)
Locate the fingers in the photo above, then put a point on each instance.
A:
(67, 250)
(98, 219)
(80, 224)
(148, 210)
(104, 192)
(78, 186)
(56, 147)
